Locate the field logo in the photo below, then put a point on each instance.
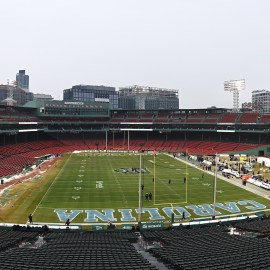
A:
(155, 214)
(99, 184)
(79, 181)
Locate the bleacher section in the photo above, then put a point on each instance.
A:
(249, 118)
(212, 118)
(16, 115)
(15, 157)
(195, 118)
(177, 118)
(265, 118)
(229, 118)
(209, 248)
(193, 131)
(238, 245)
(259, 226)
(131, 117)
(118, 117)
(73, 250)
(161, 117)
(146, 117)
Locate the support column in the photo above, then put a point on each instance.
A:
(128, 140)
(106, 142)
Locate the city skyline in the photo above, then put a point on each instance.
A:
(190, 45)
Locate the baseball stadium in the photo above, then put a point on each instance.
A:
(133, 189)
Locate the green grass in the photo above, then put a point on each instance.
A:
(74, 186)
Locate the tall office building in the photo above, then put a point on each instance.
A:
(147, 98)
(92, 93)
(22, 80)
(261, 101)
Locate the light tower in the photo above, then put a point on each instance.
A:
(235, 86)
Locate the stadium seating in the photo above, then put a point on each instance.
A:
(118, 117)
(229, 118)
(186, 248)
(146, 117)
(14, 157)
(265, 118)
(76, 250)
(259, 226)
(212, 118)
(131, 117)
(209, 248)
(249, 117)
(14, 164)
(161, 117)
(195, 118)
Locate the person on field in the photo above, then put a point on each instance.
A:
(146, 196)
(67, 222)
(30, 218)
(183, 216)
(169, 181)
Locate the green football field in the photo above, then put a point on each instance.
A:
(95, 187)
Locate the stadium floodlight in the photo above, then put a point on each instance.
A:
(235, 86)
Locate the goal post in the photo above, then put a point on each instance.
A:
(184, 200)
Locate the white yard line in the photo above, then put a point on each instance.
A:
(118, 184)
(51, 184)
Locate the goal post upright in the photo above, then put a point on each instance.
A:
(186, 174)
(184, 194)
(140, 191)
(154, 178)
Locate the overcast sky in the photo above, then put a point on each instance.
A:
(190, 45)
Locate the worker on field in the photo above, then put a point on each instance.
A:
(67, 222)
(183, 215)
(30, 219)
(169, 181)
(146, 196)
